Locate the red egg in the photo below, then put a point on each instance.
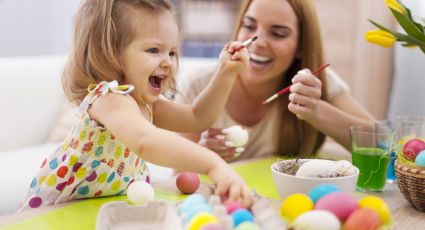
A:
(362, 219)
(187, 182)
(412, 148)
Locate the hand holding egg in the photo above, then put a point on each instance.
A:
(237, 135)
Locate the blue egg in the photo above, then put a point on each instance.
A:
(190, 201)
(321, 190)
(192, 211)
(241, 215)
(420, 159)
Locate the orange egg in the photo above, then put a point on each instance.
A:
(362, 219)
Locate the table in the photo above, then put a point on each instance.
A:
(82, 214)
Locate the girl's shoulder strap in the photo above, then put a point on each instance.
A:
(104, 87)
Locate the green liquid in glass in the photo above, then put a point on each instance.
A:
(372, 163)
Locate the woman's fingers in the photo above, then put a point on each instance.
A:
(302, 100)
(303, 89)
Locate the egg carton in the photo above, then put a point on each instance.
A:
(164, 215)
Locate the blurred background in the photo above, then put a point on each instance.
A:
(388, 82)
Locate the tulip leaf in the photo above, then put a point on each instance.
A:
(408, 26)
(410, 39)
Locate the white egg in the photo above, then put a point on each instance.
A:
(316, 168)
(140, 192)
(237, 135)
(343, 168)
(317, 220)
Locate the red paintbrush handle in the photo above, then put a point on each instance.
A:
(286, 89)
(239, 48)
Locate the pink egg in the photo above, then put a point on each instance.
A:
(187, 182)
(412, 148)
(362, 219)
(232, 206)
(341, 204)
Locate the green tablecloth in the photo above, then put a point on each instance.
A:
(82, 215)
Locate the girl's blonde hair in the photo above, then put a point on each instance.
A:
(102, 29)
(298, 138)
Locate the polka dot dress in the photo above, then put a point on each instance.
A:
(91, 162)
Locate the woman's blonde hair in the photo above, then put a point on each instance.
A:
(102, 29)
(298, 138)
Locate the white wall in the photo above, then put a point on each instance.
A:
(36, 27)
(408, 91)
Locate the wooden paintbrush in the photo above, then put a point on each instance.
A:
(286, 89)
(246, 43)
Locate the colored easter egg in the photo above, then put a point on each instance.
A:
(191, 201)
(241, 215)
(377, 205)
(140, 192)
(200, 220)
(321, 190)
(420, 159)
(231, 206)
(341, 204)
(362, 219)
(412, 148)
(187, 182)
(317, 220)
(195, 209)
(247, 226)
(294, 205)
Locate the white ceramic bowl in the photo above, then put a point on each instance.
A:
(287, 184)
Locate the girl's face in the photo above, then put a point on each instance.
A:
(276, 24)
(150, 59)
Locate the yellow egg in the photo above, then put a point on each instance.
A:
(200, 220)
(294, 205)
(378, 205)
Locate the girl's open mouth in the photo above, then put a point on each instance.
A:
(155, 81)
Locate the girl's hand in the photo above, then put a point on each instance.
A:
(231, 62)
(214, 139)
(304, 98)
(228, 183)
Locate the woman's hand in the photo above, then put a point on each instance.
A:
(228, 183)
(304, 98)
(214, 139)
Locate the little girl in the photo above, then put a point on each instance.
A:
(124, 56)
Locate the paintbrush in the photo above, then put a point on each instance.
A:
(246, 43)
(286, 89)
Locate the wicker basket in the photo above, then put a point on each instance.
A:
(411, 182)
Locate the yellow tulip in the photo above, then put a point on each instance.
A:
(393, 4)
(380, 37)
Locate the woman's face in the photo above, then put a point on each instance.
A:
(276, 24)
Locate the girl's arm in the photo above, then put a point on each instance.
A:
(163, 147)
(211, 101)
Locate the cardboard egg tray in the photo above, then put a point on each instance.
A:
(164, 215)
